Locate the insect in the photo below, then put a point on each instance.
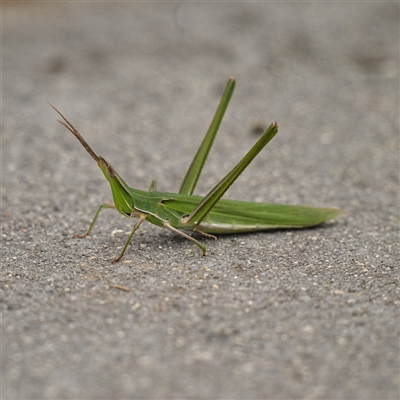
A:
(209, 215)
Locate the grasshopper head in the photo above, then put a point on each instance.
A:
(120, 190)
(122, 197)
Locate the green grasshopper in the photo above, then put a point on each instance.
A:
(210, 214)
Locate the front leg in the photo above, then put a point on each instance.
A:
(142, 217)
(105, 205)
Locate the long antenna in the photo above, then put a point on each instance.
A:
(72, 129)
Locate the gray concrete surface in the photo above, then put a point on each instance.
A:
(300, 314)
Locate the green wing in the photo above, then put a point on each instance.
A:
(235, 216)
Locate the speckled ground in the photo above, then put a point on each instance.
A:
(292, 314)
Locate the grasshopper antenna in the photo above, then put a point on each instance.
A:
(72, 129)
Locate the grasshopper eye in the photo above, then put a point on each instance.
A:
(110, 171)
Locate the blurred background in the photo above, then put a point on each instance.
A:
(311, 314)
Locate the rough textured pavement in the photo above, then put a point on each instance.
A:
(292, 314)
